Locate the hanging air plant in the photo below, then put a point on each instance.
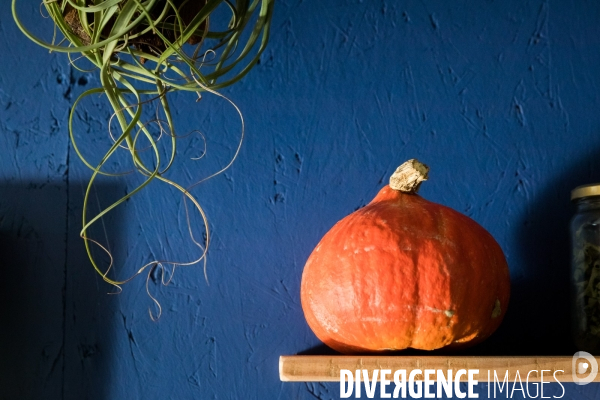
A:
(145, 50)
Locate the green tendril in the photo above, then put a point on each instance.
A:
(142, 49)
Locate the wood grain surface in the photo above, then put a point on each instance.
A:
(327, 368)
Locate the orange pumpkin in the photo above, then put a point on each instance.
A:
(405, 272)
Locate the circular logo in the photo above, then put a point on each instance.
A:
(584, 363)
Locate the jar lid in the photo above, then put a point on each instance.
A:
(585, 191)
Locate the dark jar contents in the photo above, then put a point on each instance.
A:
(585, 268)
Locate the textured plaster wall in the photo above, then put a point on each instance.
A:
(500, 98)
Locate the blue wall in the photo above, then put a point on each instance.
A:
(500, 98)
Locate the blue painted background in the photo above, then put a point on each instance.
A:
(500, 98)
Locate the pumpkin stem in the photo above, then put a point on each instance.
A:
(408, 177)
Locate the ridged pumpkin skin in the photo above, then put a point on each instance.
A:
(404, 272)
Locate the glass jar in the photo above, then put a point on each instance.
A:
(585, 268)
